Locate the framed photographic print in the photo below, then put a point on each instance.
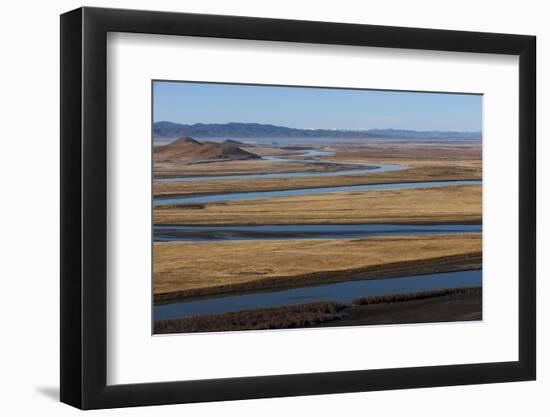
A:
(257, 208)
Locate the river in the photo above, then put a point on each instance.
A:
(303, 231)
(340, 292)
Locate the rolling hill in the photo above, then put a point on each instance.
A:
(188, 149)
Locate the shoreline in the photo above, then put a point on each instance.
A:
(329, 166)
(453, 304)
(412, 223)
(453, 263)
(203, 194)
(451, 203)
(268, 167)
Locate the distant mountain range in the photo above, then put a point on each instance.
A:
(169, 130)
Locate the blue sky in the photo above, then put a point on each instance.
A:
(319, 108)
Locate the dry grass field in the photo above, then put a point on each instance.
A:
(171, 169)
(185, 269)
(194, 270)
(412, 153)
(426, 162)
(253, 219)
(427, 173)
(452, 156)
(450, 204)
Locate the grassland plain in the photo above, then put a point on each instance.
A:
(195, 269)
(450, 204)
(170, 169)
(413, 153)
(427, 162)
(419, 174)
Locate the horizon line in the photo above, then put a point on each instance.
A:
(307, 128)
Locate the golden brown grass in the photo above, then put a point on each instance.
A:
(412, 153)
(235, 167)
(450, 204)
(428, 162)
(450, 155)
(429, 173)
(201, 269)
(189, 267)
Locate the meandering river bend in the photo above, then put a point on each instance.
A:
(341, 292)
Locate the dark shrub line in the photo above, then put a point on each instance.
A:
(189, 206)
(258, 319)
(392, 298)
(291, 316)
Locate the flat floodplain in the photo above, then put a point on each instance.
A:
(257, 232)
(451, 204)
(460, 163)
(252, 265)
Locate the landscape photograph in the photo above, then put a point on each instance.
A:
(294, 207)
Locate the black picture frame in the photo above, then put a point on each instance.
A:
(84, 207)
